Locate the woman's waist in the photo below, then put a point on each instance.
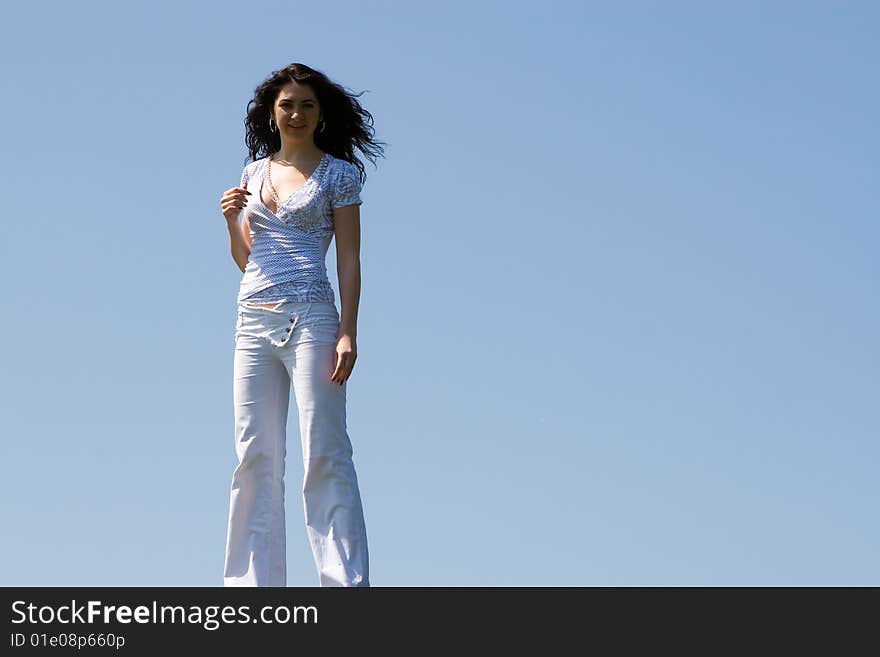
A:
(274, 272)
(293, 286)
(310, 290)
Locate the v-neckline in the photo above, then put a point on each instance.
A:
(293, 193)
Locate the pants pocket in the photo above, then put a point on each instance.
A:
(238, 321)
(322, 322)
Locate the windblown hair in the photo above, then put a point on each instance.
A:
(348, 125)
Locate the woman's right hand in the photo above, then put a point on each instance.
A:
(233, 201)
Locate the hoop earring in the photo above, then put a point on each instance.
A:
(323, 125)
(271, 125)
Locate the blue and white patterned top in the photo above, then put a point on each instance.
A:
(288, 249)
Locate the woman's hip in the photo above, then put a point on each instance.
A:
(290, 322)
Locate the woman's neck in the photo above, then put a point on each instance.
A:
(296, 154)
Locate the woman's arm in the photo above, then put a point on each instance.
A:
(240, 241)
(347, 226)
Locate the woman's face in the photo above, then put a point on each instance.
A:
(296, 112)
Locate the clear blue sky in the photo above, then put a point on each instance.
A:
(617, 324)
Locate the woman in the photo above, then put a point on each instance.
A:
(300, 188)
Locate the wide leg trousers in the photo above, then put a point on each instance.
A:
(293, 343)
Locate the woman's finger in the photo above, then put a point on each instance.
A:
(347, 369)
(228, 205)
(338, 369)
(344, 366)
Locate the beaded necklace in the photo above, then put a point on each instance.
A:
(272, 187)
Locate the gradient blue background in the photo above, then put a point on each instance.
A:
(618, 320)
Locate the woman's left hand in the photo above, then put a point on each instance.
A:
(346, 354)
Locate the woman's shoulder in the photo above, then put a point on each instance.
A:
(248, 169)
(254, 165)
(253, 169)
(342, 167)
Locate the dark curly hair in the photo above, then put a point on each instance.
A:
(348, 125)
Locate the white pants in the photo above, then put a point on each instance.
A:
(293, 342)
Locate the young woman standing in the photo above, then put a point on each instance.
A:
(299, 190)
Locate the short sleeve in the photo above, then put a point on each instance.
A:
(245, 176)
(348, 187)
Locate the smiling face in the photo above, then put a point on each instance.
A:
(296, 112)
